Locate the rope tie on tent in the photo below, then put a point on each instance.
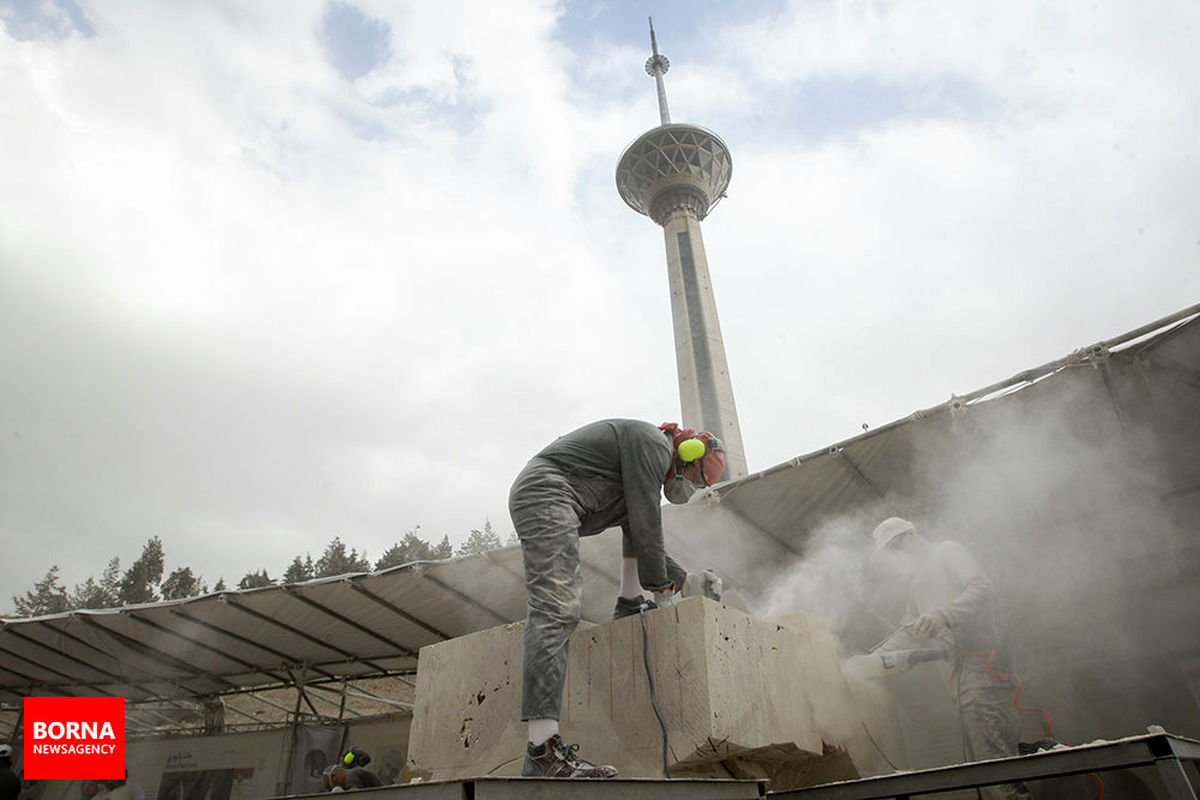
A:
(957, 406)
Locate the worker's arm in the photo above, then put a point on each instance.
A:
(644, 463)
(676, 574)
(977, 597)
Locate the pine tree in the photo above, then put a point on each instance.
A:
(110, 583)
(480, 541)
(180, 584)
(47, 596)
(87, 595)
(336, 561)
(139, 581)
(444, 548)
(409, 549)
(300, 571)
(105, 594)
(253, 580)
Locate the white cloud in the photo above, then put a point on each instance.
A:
(258, 303)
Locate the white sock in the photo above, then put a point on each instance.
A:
(631, 587)
(540, 730)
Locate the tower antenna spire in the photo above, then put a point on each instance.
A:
(657, 66)
(675, 174)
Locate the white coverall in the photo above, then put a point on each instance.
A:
(948, 579)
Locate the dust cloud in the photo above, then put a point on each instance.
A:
(1064, 494)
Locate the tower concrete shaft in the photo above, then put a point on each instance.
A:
(705, 388)
(675, 174)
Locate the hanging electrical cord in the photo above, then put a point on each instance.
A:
(878, 749)
(504, 764)
(990, 655)
(650, 681)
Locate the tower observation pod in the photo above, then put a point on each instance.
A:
(675, 174)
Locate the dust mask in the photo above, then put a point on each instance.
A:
(679, 490)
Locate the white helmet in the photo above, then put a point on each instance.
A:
(889, 529)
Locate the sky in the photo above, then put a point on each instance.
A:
(281, 271)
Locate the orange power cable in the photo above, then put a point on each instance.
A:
(991, 657)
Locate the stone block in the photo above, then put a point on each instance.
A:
(738, 696)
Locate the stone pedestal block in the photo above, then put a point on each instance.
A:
(738, 696)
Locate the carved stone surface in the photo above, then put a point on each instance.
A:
(738, 696)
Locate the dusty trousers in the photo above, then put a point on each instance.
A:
(546, 516)
(991, 727)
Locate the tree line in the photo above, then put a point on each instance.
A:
(143, 581)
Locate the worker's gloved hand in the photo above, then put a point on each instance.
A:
(665, 597)
(705, 583)
(930, 626)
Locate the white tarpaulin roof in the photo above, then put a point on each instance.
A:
(1132, 400)
(1141, 390)
(352, 626)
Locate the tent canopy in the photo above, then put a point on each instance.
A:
(1133, 393)
(346, 627)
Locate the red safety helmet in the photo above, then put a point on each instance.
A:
(711, 456)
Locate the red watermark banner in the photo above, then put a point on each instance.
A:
(74, 738)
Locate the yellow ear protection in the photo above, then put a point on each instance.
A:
(691, 450)
(356, 758)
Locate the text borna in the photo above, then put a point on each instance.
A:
(73, 730)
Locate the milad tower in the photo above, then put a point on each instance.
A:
(675, 174)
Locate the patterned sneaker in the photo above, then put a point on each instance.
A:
(628, 606)
(555, 759)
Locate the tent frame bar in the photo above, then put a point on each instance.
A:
(1084, 355)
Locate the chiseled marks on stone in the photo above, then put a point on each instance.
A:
(730, 689)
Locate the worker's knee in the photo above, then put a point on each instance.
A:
(554, 613)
